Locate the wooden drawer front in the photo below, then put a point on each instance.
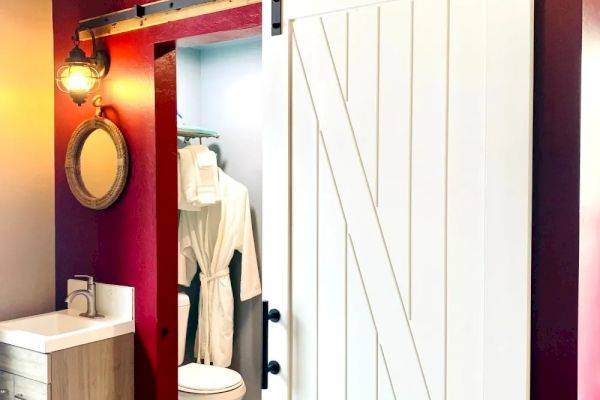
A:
(26, 389)
(23, 362)
(7, 386)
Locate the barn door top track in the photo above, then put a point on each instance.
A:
(151, 14)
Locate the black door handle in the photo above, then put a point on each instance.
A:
(269, 366)
(273, 315)
(273, 367)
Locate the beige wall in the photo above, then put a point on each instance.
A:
(26, 158)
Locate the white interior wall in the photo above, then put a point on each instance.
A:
(219, 87)
(26, 158)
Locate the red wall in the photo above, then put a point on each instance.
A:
(555, 245)
(135, 241)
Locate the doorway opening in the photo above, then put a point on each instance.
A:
(218, 88)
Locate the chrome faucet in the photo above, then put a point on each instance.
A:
(89, 294)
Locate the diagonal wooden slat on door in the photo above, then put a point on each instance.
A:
(336, 29)
(388, 310)
(363, 87)
(385, 389)
(331, 286)
(395, 143)
(363, 345)
(305, 166)
(372, 50)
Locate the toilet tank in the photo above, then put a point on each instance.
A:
(183, 312)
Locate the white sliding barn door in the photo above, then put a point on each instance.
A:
(400, 255)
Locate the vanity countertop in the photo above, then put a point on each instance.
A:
(47, 333)
(59, 330)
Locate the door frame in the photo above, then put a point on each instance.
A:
(276, 229)
(224, 25)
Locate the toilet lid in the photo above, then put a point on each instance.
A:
(183, 300)
(200, 378)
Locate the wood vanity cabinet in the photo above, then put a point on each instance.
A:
(96, 371)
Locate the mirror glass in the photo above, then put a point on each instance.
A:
(99, 162)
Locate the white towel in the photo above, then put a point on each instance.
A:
(198, 177)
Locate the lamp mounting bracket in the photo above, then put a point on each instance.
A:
(97, 102)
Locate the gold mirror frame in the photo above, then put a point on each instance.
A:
(73, 162)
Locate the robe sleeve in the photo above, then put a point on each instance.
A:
(186, 260)
(250, 280)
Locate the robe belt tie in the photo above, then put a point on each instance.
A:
(204, 278)
(206, 295)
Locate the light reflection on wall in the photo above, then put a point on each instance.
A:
(589, 231)
(26, 158)
(130, 90)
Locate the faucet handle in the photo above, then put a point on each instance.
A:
(89, 278)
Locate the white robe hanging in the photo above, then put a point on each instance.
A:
(209, 238)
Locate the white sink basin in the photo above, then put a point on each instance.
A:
(50, 324)
(60, 330)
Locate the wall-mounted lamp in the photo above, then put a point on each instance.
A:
(80, 74)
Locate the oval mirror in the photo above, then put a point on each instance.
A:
(97, 163)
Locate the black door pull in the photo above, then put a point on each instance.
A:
(274, 315)
(269, 366)
(273, 367)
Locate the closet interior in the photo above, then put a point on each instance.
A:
(219, 108)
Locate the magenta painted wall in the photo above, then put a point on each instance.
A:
(555, 245)
(135, 241)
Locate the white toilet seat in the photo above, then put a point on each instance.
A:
(207, 382)
(236, 394)
(216, 391)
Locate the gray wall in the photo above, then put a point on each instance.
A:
(218, 87)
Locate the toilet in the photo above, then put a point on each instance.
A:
(199, 381)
